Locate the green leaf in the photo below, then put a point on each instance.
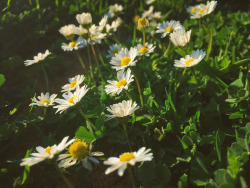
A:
(183, 181)
(236, 115)
(83, 134)
(26, 172)
(2, 80)
(233, 162)
(218, 145)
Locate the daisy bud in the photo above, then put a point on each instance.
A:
(142, 23)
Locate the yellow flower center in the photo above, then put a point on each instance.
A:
(143, 50)
(142, 23)
(121, 83)
(72, 44)
(71, 100)
(125, 61)
(115, 51)
(202, 10)
(169, 29)
(45, 101)
(94, 37)
(189, 61)
(78, 149)
(127, 156)
(47, 150)
(194, 9)
(72, 84)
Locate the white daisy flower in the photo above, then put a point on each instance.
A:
(114, 10)
(124, 58)
(81, 32)
(113, 49)
(46, 153)
(168, 27)
(102, 23)
(148, 2)
(79, 152)
(125, 108)
(203, 10)
(113, 27)
(38, 58)
(180, 37)
(145, 50)
(190, 60)
(119, 21)
(73, 83)
(71, 46)
(70, 99)
(193, 9)
(44, 100)
(131, 158)
(155, 16)
(124, 79)
(84, 19)
(95, 35)
(149, 12)
(68, 31)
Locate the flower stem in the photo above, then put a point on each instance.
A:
(169, 44)
(81, 61)
(144, 37)
(127, 94)
(85, 117)
(100, 56)
(63, 177)
(210, 36)
(46, 78)
(126, 133)
(139, 88)
(183, 73)
(90, 63)
(131, 176)
(45, 112)
(96, 60)
(197, 81)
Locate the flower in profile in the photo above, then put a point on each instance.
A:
(148, 2)
(123, 109)
(71, 46)
(44, 100)
(180, 37)
(124, 79)
(79, 152)
(149, 12)
(131, 158)
(124, 58)
(82, 32)
(38, 58)
(202, 10)
(84, 19)
(46, 153)
(102, 23)
(113, 27)
(113, 49)
(68, 31)
(190, 60)
(155, 16)
(114, 10)
(142, 23)
(73, 83)
(70, 99)
(95, 35)
(168, 27)
(145, 50)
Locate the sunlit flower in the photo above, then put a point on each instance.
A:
(73, 83)
(145, 50)
(147, 13)
(113, 49)
(95, 35)
(68, 31)
(168, 27)
(84, 19)
(79, 152)
(46, 153)
(193, 9)
(142, 23)
(124, 79)
(180, 37)
(125, 108)
(190, 60)
(103, 23)
(114, 10)
(202, 10)
(124, 58)
(81, 32)
(70, 99)
(131, 158)
(71, 46)
(112, 28)
(155, 16)
(119, 21)
(38, 58)
(148, 2)
(44, 100)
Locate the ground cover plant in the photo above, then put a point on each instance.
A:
(124, 93)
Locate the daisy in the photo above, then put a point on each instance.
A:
(112, 28)
(113, 49)
(180, 37)
(46, 153)
(124, 79)
(190, 60)
(71, 46)
(131, 158)
(168, 27)
(79, 152)
(203, 10)
(44, 100)
(148, 2)
(124, 58)
(155, 16)
(38, 58)
(70, 99)
(102, 23)
(142, 23)
(114, 10)
(82, 32)
(193, 9)
(73, 83)
(125, 108)
(84, 19)
(147, 13)
(68, 31)
(145, 50)
(95, 35)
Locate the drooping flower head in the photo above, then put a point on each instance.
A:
(131, 158)
(84, 19)
(68, 31)
(44, 100)
(168, 27)
(180, 37)
(73, 83)
(38, 58)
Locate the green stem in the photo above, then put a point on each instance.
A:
(90, 62)
(126, 133)
(169, 44)
(96, 60)
(45, 112)
(183, 73)
(81, 61)
(100, 56)
(63, 177)
(128, 94)
(46, 78)
(197, 81)
(210, 36)
(144, 37)
(85, 117)
(131, 176)
(138, 86)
